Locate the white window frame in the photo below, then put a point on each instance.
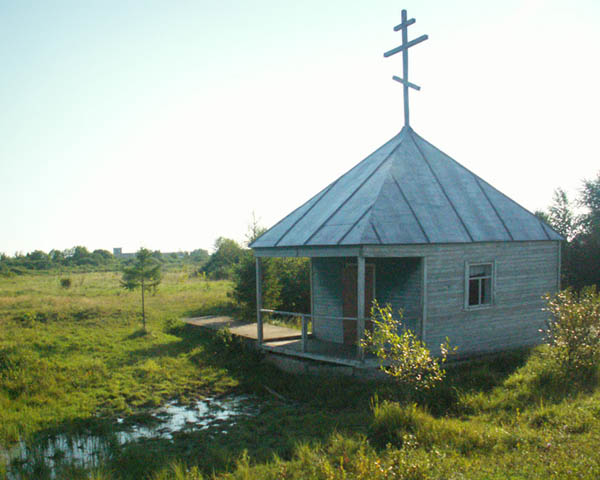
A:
(492, 278)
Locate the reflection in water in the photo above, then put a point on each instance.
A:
(90, 451)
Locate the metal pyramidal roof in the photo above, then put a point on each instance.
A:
(406, 192)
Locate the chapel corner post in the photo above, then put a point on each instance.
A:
(259, 323)
(423, 298)
(360, 311)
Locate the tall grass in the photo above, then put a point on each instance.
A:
(72, 354)
(73, 359)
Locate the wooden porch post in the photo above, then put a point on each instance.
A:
(423, 298)
(259, 324)
(360, 322)
(559, 243)
(304, 333)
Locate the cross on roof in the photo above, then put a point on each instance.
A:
(404, 49)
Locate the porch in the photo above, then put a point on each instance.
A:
(287, 341)
(340, 288)
(306, 345)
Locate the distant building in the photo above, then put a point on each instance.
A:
(118, 253)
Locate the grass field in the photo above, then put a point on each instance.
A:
(73, 360)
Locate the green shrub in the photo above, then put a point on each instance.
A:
(573, 332)
(402, 355)
(224, 336)
(285, 284)
(6, 272)
(244, 285)
(65, 282)
(228, 344)
(172, 325)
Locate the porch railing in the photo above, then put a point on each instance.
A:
(304, 329)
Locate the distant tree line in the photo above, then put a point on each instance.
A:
(579, 222)
(285, 281)
(80, 258)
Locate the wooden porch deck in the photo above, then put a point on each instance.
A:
(245, 330)
(321, 351)
(288, 341)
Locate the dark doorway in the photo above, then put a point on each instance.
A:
(349, 298)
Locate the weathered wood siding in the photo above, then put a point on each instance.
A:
(398, 282)
(327, 298)
(524, 271)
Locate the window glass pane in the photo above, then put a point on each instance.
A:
(480, 284)
(473, 292)
(477, 271)
(486, 290)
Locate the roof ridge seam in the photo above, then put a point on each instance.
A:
(410, 208)
(354, 224)
(376, 199)
(479, 179)
(372, 153)
(318, 194)
(543, 229)
(322, 193)
(443, 190)
(519, 205)
(352, 194)
(376, 233)
(493, 207)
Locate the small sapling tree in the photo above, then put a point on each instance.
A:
(143, 273)
(573, 331)
(401, 353)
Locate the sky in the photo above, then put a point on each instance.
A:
(167, 124)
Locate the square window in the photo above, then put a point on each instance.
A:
(479, 284)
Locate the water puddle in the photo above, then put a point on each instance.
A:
(91, 451)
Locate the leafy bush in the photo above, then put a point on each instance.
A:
(573, 332)
(294, 277)
(173, 325)
(402, 355)
(65, 282)
(5, 271)
(244, 285)
(228, 253)
(285, 284)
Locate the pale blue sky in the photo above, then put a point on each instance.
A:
(166, 123)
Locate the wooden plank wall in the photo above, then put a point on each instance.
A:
(327, 298)
(398, 282)
(524, 271)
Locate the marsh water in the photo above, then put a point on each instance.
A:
(91, 450)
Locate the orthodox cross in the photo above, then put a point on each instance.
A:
(404, 49)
